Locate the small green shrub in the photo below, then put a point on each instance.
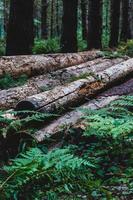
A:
(46, 46)
(126, 48)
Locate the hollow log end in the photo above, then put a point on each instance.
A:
(25, 106)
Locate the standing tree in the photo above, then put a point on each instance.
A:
(57, 18)
(84, 18)
(44, 31)
(20, 33)
(69, 26)
(125, 17)
(95, 24)
(130, 20)
(115, 20)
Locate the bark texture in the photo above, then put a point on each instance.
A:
(84, 19)
(64, 97)
(115, 19)
(20, 33)
(95, 24)
(131, 18)
(44, 25)
(9, 98)
(69, 26)
(125, 23)
(72, 118)
(38, 64)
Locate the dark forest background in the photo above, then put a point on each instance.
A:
(51, 26)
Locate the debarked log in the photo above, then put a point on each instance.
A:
(64, 97)
(32, 65)
(10, 97)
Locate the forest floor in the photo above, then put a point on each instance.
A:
(48, 104)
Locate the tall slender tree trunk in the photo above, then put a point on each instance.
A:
(69, 32)
(52, 18)
(84, 18)
(95, 24)
(125, 17)
(20, 28)
(6, 15)
(115, 21)
(130, 20)
(44, 31)
(57, 18)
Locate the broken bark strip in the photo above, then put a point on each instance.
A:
(74, 117)
(10, 97)
(32, 65)
(62, 98)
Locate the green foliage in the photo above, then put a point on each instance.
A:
(2, 47)
(46, 175)
(107, 53)
(82, 44)
(7, 81)
(26, 121)
(106, 24)
(91, 164)
(46, 46)
(81, 76)
(126, 48)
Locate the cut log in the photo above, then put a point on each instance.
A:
(32, 65)
(61, 98)
(75, 117)
(70, 119)
(10, 97)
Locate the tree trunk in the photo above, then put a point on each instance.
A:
(130, 36)
(69, 32)
(95, 24)
(20, 28)
(57, 18)
(6, 15)
(38, 64)
(125, 23)
(115, 20)
(65, 97)
(44, 31)
(9, 98)
(84, 19)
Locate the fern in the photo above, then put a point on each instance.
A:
(58, 170)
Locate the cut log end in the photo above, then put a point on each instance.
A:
(25, 106)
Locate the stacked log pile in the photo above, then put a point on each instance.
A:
(38, 84)
(73, 93)
(59, 83)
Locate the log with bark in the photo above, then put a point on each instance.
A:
(74, 117)
(32, 65)
(10, 97)
(64, 97)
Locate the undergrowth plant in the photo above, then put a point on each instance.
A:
(7, 81)
(94, 161)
